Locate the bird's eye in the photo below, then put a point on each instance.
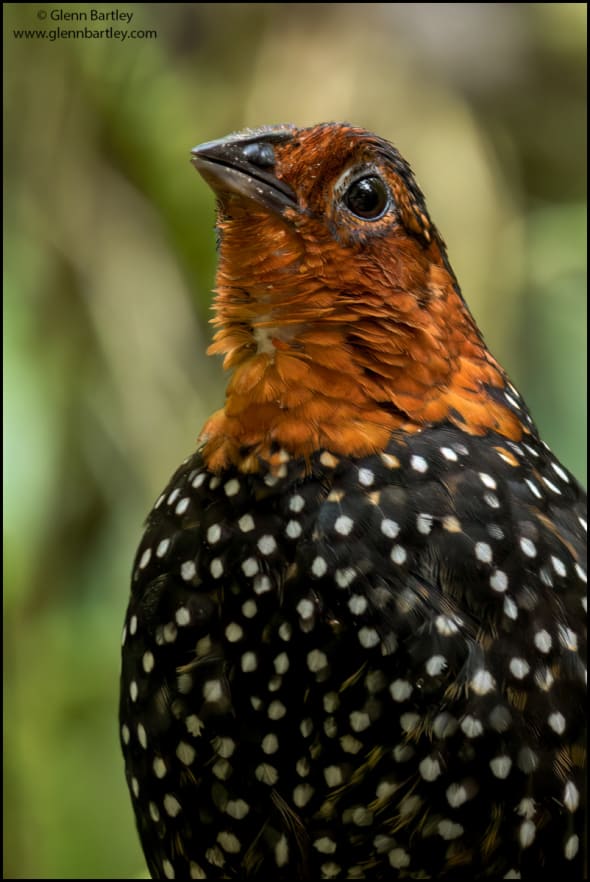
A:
(367, 197)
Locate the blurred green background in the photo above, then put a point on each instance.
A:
(109, 262)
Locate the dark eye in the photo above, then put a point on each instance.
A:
(367, 197)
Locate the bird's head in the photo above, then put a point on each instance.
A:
(337, 308)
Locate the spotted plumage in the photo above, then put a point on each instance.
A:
(361, 666)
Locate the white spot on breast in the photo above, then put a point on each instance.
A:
(231, 487)
(483, 552)
(214, 534)
(173, 496)
(567, 638)
(366, 477)
(182, 506)
(159, 767)
(533, 488)
(145, 558)
(528, 547)
(185, 753)
(581, 573)
(444, 725)
(482, 682)
(418, 463)
(246, 523)
(357, 604)
(449, 454)
(305, 607)
(162, 548)
(499, 581)
(250, 567)
(543, 641)
(349, 744)
(194, 725)
(133, 690)
(550, 485)
(501, 766)
(447, 625)
(169, 632)
(449, 830)
(270, 743)
(267, 544)
(212, 690)
(302, 794)
(359, 721)
(229, 842)
(331, 703)
(249, 662)
(519, 667)
(456, 795)
(182, 616)
(325, 845)
(401, 690)
(276, 710)
(389, 528)
(430, 768)
(398, 554)
(316, 660)
(293, 529)
(571, 847)
(471, 726)
(510, 608)
(319, 567)
(125, 734)
(267, 774)
(435, 665)
(333, 776)
(571, 796)
(142, 735)
(344, 525)
(344, 577)
(487, 481)
(527, 833)
(234, 632)
(168, 869)
(237, 808)
(296, 503)
(556, 721)
(399, 858)
(216, 568)
(368, 637)
(148, 662)
(196, 872)
(249, 609)
(424, 523)
(282, 851)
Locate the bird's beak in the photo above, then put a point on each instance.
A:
(244, 164)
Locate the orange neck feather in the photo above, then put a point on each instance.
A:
(315, 368)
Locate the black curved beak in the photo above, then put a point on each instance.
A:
(243, 164)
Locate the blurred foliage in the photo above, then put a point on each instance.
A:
(109, 264)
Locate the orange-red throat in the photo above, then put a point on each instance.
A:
(338, 313)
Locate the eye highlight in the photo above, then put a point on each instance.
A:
(367, 198)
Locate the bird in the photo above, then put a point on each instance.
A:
(355, 643)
